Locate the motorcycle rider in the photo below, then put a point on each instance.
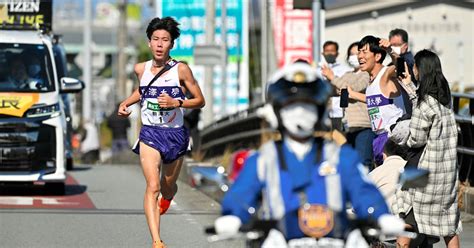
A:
(302, 181)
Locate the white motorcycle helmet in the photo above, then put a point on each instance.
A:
(298, 98)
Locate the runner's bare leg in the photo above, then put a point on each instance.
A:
(150, 160)
(169, 177)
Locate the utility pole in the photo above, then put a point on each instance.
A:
(121, 45)
(208, 111)
(87, 67)
(264, 45)
(224, 56)
(319, 24)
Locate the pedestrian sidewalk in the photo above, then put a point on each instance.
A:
(124, 157)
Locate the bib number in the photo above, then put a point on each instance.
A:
(158, 115)
(155, 113)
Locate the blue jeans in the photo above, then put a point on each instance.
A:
(362, 140)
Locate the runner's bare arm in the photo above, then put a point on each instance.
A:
(358, 96)
(187, 80)
(388, 83)
(135, 96)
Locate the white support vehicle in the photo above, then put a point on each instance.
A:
(33, 126)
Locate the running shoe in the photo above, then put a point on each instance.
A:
(164, 204)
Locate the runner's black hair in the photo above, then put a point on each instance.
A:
(374, 46)
(166, 23)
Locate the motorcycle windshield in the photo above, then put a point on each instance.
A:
(25, 68)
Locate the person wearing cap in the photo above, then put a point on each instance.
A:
(300, 174)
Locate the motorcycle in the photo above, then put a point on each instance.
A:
(265, 233)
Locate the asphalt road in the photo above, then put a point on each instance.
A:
(103, 208)
(31, 218)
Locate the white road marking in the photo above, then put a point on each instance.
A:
(29, 201)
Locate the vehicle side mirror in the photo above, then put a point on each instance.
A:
(413, 178)
(71, 85)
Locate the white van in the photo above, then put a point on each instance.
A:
(32, 118)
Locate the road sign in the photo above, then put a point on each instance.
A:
(207, 55)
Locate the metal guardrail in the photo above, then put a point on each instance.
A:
(239, 130)
(243, 130)
(465, 120)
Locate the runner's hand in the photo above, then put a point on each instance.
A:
(123, 110)
(166, 101)
(385, 44)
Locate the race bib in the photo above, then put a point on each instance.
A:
(315, 220)
(375, 118)
(158, 115)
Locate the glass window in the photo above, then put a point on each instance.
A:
(25, 68)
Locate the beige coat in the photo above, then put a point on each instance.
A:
(356, 113)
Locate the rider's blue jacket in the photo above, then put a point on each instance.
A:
(277, 191)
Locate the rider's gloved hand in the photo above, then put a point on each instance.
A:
(227, 224)
(391, 224)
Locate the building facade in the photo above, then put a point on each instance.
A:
(445, 27)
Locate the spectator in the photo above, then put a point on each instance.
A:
(385, 176)
(432, 210)
(385, 103)
(398, 39)
(397, 47)
(330, 70)
(359, 134)
(119, 126)
(330, 54)
(191, 120)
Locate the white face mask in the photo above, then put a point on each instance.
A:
(299, 119)
(397, 49)
(353, 61)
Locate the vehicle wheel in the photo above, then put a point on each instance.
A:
(56, 188)
(69, 164)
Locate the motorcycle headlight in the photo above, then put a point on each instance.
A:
(48, 110)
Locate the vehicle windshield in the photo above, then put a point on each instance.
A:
(25, 68)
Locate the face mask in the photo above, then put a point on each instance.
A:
(397, 49)
(299, 119)
(353, 61)
(33, 70)
(330, 58)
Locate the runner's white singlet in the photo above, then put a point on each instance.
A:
(168, 83)
(383, 111)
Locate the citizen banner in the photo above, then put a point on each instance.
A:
(26, 14)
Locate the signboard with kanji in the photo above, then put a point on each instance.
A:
(293, 33)
(191, 14)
